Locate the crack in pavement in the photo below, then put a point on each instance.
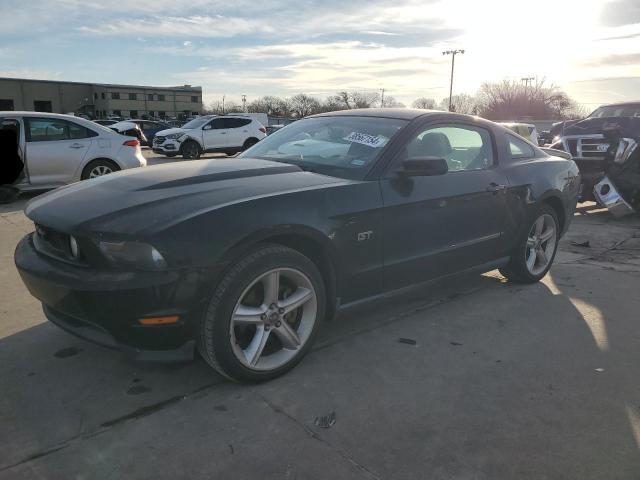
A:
(280, 411)
(109, 424)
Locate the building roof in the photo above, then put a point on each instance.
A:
(112, 85)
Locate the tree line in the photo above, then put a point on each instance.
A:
(503, 100)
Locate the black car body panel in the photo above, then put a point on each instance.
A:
(367, 236)
(593, 142)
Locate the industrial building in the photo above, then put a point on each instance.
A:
(100, 100)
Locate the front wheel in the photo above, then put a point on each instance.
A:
(190, 150)
(249, 142)
(263, 316)
(535, 253)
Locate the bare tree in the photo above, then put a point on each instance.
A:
(510, 99)
(348, 100)
(303, 105)
(271, 105)
(462, 103)
(424, 103)
(391, 102)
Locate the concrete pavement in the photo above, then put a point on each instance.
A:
(504, 381)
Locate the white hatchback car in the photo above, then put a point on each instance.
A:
(60, 149)
(210, 133)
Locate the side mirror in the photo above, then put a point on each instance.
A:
(424, 167)
(207, 127)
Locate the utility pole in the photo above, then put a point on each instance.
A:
(453, 54)
(382, 98)
(244, 103)
(527, 84)
(223, 97)
(527, 80)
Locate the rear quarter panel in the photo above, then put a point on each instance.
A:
(535, 181)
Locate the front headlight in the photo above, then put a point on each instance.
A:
(137, 255)
(174, 136)
(626, 146)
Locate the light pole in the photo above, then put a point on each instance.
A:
(244, 103)
(382, 98)
(453, 54)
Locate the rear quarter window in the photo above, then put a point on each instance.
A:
(519, 149)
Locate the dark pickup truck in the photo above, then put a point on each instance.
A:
(604, 146)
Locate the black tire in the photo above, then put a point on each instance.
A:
(248, 143)
(101, 164)
(517, 270)
(214, 340)
(190, 150)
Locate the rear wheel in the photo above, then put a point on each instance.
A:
(263, 316)
(190, 150)
(97, 168)
(535, 253)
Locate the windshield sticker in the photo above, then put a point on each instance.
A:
(373, 141)
(358, 163)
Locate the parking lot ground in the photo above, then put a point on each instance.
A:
(504, 381)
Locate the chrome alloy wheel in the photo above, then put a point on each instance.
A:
(100, 170)
(541, 244)
(273, 319)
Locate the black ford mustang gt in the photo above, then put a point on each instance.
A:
(243, 258)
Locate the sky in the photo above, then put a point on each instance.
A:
(588, 48)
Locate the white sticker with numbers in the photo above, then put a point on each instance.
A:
(373, 141)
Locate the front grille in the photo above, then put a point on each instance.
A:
(158, 140)
(589, 147)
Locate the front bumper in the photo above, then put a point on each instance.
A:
(166, 147)
(104, 307)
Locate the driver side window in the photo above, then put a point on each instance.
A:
(463, 147)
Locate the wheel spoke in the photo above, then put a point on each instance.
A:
(539, 226)
(548, 234)
(542, 256)
(531, 242)
(248, 315)
(295, 300)
(271, 284)
(254, 351)
(287, 336)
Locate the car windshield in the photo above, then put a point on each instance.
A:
(617, 111)
(196, 123)
(340, 146)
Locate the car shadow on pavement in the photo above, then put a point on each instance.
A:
(471, 377)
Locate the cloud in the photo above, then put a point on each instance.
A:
(191, 26)
(621, 12)
(614, 60)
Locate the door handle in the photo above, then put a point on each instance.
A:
(496, 187)
(76, 145)
(223, 133)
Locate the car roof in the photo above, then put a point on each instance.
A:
(38, 114)
(620, 104)
(399, 113)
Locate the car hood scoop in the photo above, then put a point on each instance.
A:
(146, 199)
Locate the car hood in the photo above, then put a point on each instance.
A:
(146, 200)
(626, 126)
(170, 131)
